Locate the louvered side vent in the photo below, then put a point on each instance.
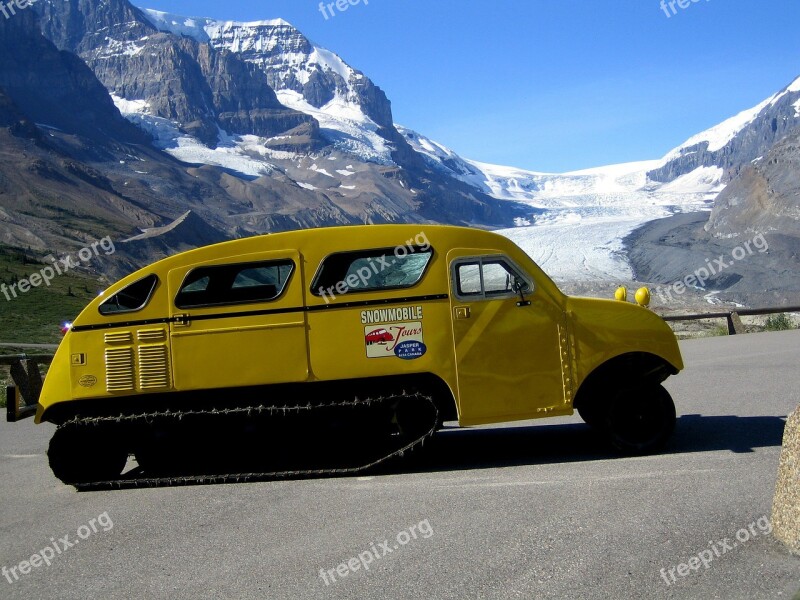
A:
(150, 336)
(124, 337)
(119, 369)
(153, 367)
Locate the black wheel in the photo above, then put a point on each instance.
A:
(592, 413)
(86, 455)
(640, 420)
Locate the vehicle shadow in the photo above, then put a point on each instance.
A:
(484, 448)
(454, 449)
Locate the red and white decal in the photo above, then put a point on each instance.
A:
(382, 340)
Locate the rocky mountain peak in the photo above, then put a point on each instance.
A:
(765, 197)
(173, 77)
(735, 143)
(313, 75)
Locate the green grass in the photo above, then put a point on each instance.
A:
(5, 379)
(780, 322)
(35, 317)
(719, 330)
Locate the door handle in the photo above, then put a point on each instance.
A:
(462, 312)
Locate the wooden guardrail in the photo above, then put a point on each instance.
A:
(734, 322)
(21, 398)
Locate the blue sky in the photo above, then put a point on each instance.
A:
(551, 85)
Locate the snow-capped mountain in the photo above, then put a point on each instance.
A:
(553, 190)
(736, 142)
(355, 116)
(353, 113)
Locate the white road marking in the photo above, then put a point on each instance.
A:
(581, 479)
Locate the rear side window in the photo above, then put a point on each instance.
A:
(246, 283)
(486, 278)
(131, 298)
(371, 270)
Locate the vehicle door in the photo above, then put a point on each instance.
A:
(506, 338)
(239, 321)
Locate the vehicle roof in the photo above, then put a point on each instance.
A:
(343, 239)
(316, 244)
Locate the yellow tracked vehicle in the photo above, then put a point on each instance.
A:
(366, 337)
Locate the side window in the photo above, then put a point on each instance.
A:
(131, 298)
(246, 283)
(489, 278)
(469, 279)
(370, 270)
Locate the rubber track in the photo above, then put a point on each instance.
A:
(149, 418)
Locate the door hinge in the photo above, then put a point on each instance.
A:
(181, 320)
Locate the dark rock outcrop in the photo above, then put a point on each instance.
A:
(55, 88)
(765, 197)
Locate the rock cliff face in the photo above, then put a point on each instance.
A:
(54, 88)
(764, 197)
(202, 89)
(84, 26)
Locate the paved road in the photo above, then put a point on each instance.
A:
(507, 512)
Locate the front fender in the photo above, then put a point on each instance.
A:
(602, 330)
